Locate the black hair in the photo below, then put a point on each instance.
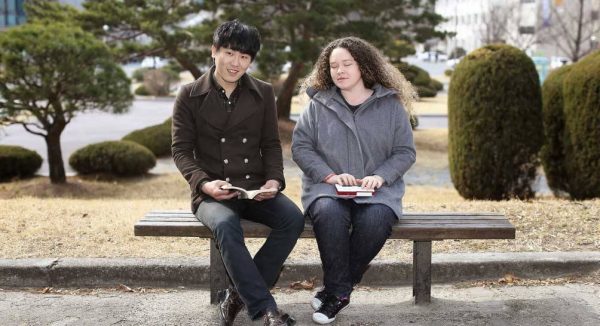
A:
(238, 37)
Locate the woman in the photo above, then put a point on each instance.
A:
(355, 131)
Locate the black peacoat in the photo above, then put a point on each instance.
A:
(241, 147)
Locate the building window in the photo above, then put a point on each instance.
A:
(595, 14)
(11, 13)
(526, 29)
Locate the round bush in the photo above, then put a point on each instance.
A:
(419, 78)
(16, 161)
(555, 148)
(436, 84)
(142, 91)
(156, 138)
(494, 124)
(123, 158)
(582, 121)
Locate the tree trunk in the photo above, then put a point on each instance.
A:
(188, 65)
(55, 161)
(284, 98)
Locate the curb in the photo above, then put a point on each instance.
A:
(194, 273)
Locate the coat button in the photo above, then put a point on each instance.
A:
(226, 161)
(246, 160)
(247, 176)
(244, 140)
(222, 140)
(227, 179)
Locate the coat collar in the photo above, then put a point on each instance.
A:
(327, 95)
(203, 85)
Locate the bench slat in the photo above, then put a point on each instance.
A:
(420, 226)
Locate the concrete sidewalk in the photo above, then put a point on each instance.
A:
(570, 304)
(193, 272)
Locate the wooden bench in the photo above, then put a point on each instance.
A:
(422, 228)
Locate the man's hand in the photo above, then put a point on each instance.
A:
(372, 182)
(270, 184)
(213, 189)
(343, 179)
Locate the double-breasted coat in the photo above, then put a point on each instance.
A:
(209, 143)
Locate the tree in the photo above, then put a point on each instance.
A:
(138, 28)
(572, 26)
(506, 23)
(49, 73)
(294, 32)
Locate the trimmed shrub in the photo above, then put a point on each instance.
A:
(138, 74)
(141, 90)
(436, 84)
(494, 124)
(419, 78)
(122, 158)
(555, 146)
(16, 161)
(448, 72)
(156, 138)
(581, 91)
(414, 121)
(158, 81)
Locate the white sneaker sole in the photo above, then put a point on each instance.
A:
(319, 318)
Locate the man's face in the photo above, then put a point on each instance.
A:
(230, 65)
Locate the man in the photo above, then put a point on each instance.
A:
(225, 133)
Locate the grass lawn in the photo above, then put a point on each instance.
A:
(90, 218)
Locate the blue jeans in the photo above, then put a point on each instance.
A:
(349, 236)
(253, 277)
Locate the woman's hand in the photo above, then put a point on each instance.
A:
(372, 182)
(343, 179)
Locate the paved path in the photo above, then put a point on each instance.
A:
(571, 304)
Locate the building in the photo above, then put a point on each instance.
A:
(11, 13)
(544, 28)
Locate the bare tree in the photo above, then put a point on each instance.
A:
(573, 27)
(508, 23)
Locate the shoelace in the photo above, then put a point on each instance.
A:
(332, 305)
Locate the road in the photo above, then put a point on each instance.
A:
(92, 127)
(567, 304)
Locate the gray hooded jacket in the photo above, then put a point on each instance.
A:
(374, 140)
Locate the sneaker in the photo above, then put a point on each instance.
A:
(329, 309)
(317, 301)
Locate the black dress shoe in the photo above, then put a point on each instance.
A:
(230, 304)
(274, 317)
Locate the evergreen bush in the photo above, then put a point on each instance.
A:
(419, 78)
(18, 162)
(141, 90)
(156, 138)
(123, 158)
(494, 124)
(555, 148)
(582, 121)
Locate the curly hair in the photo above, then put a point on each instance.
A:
(374, 69)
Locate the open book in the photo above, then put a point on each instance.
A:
(353, 191)
(247, 194)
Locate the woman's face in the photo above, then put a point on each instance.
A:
(344, 70)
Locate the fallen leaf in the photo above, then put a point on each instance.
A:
(124, 288)
(303, 285)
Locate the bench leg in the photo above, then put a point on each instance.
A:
(422, 272)
(218, 274)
